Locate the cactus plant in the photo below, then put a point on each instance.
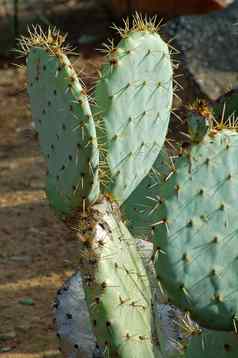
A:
(94, 166)
(108, 160)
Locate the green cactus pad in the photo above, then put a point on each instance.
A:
(140, 208)
(134, 98)
(117, 289)
(226, 105)
(213, 344)
(197, 232)
(63, 119)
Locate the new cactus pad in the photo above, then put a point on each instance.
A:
(133, 100)
(197, 231)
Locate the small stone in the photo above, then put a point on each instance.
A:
(21, 258)
(7, 336)
(5, 349)
(24, 327)
(36, 184)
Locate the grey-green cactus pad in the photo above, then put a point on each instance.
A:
(140, 209)
(134, 98)
(63, 119)
(197, 232)
(213, 344)
(118, 291)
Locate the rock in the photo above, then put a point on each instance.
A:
(208, 51)
(21, 258)
(5, 349)
(72, 320)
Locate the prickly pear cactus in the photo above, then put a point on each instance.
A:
(196, 231)
(213, 344)
(133, 102)
(93, 167)
(63, 119)
(117, 288)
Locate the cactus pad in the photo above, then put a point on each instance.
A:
(63, 119)
(197, 231)
(140, 207)
(226, 105)
(213, 344)
(117, 289)
(133, 99)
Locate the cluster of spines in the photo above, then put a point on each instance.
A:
(52, 41)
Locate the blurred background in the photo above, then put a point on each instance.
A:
(36, 252)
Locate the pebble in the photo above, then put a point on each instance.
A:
(5, 349)
(7, 336)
